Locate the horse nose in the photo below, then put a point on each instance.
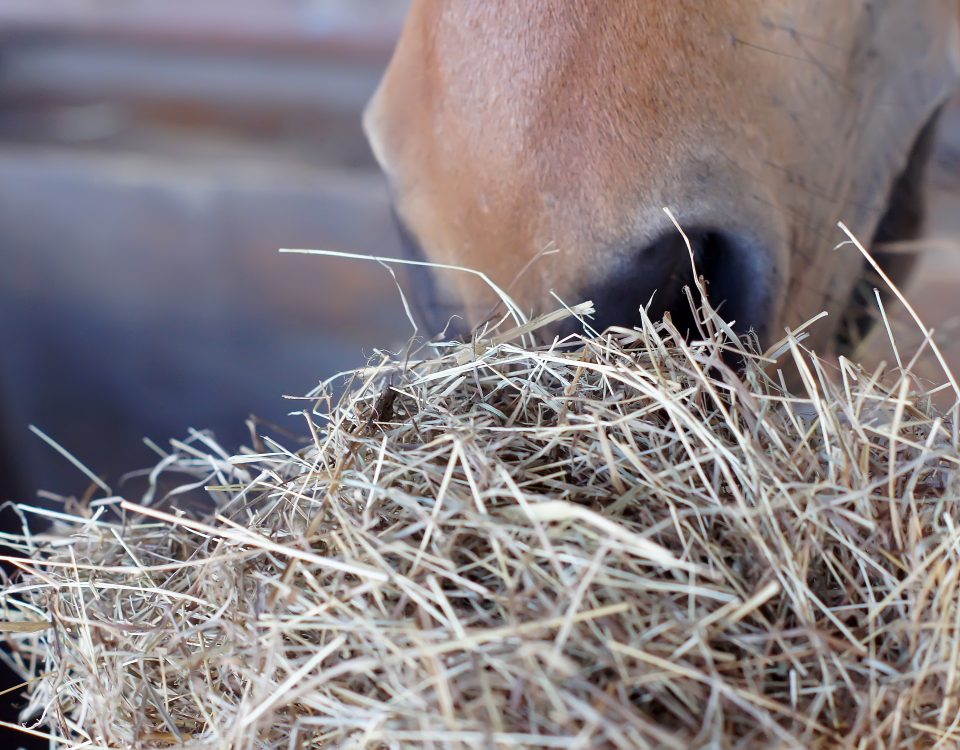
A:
(740, 279)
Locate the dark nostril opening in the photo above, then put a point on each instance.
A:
(739, 280)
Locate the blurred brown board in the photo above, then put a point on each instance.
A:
(335, 28)
(82, 70)
(217, 55)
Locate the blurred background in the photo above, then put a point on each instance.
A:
(154, 155)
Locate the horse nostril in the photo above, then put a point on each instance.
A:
(741, 281)
(739, 278)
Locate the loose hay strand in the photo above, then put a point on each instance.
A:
(609, 541)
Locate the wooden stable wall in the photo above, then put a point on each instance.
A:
(153, 157)
(341, 28)
(294, 67)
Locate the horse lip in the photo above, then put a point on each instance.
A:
(433, 314)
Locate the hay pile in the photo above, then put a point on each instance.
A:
(609, 542)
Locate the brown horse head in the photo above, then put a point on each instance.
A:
(506, 128)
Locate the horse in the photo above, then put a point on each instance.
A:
(538, 142)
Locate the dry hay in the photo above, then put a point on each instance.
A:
(610, 542)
